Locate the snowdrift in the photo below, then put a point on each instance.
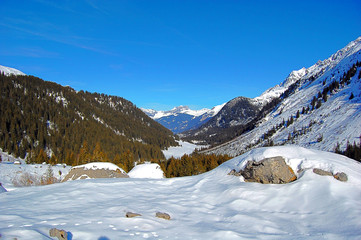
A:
(213, 205)
(147, 170)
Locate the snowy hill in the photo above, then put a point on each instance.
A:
(10, 71)
(213, 205)
(182, 118)
(318, 107)
(146, 170)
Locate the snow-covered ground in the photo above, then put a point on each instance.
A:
(213, 205)
(179, 151)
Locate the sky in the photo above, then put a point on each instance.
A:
(162, 54)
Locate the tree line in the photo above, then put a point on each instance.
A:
(45, 121)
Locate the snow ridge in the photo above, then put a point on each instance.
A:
(335, 121)
(10, 71)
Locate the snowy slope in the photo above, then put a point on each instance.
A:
(213, 205)
(9, 71)
(336, 121)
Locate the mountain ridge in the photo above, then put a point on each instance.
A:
(321, 108)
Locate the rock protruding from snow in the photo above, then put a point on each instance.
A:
(165, 216)
(272, 170)
(321, 172)
(341, 176)
(60, 234)
(131, 214)
(95, 170)
(147, 170)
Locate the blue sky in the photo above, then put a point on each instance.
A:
(161, 54)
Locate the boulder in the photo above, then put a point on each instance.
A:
(341, 176)
(95, 170)
(131, 215)
(272, 170)
(60, 234)
(322, 172)
(163, 215)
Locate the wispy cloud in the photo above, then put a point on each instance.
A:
(62, 38)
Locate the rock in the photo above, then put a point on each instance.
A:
(131, 215)
(60, 234)
(87, 171)
(163, 215)
(272, 170)
(341, 176)
(233, 172)
(322, 172)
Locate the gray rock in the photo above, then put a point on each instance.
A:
(163, 215)
(60, 234)
(233, 172)
(83, 173)
(131, 215)
(322, 172)
(272, 170)
(341, 176)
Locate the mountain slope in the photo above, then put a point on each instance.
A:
(43, 117)
(213, 205)
(10, 71)
(181, 118)
(319, 108)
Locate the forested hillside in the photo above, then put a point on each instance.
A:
(48, 122)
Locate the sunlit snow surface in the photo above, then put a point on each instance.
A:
(213, 205)
(179, 151)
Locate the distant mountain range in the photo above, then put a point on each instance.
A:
(181, 118)
(316, 107)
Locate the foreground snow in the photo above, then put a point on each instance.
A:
(213, 205)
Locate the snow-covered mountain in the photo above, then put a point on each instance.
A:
(212, 205)
(318, 107)
(10, 71)
(182, 118)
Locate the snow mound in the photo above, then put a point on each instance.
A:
(147, 170)
(100, 165)
(212, 205)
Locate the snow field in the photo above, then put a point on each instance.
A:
(213, 205)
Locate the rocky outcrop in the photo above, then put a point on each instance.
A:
(95, 171)
(60, 234)
(272, 170)
(165, 216)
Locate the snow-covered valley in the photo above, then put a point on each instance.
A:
(213, 205)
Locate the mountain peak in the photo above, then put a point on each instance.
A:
(10, 71)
